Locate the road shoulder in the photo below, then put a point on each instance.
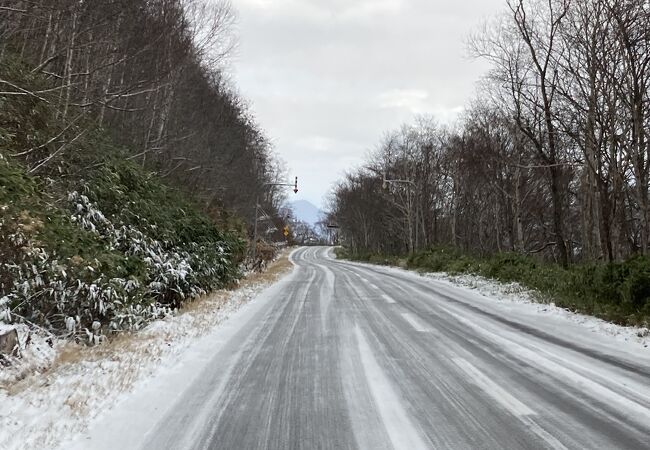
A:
(85, 386)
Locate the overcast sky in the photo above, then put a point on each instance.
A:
(326, 78)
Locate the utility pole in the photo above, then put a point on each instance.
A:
(257, 208)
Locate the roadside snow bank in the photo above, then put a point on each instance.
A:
(529, 306)
(515, 293)
(77, 383)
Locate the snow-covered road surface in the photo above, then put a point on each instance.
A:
(347, 356)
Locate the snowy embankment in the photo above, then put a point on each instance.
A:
(56, 388)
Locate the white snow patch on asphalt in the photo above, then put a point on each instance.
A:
(510, 403)
(415, 323)
(400, 429)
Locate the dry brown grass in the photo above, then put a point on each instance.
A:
(215, 300)
(275, 270)
(71, 353)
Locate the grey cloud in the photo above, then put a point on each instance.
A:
(327, 78)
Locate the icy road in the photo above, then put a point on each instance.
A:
(347, 356)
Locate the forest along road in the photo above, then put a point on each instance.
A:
(351, 356)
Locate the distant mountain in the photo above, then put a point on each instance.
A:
(306, 211)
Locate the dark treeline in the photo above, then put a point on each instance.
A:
(150, 73)
(551, 159)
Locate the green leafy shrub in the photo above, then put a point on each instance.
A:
(436, 260)
(92, 237)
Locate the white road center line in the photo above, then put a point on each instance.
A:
(415, 323)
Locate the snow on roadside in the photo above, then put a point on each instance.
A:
(35, 353)
(77, 383)
(515, 293)
(530, 304)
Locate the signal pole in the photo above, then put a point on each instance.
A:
(257, 208)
